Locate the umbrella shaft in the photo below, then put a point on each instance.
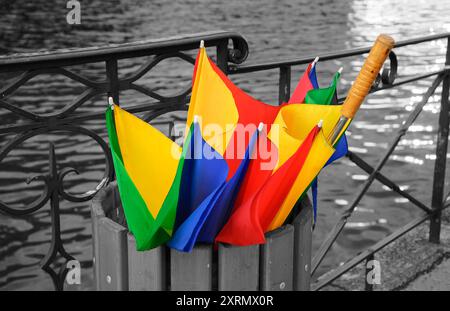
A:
(337, 130)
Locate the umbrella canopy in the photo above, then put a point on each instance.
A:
(307, 82)
(162, 185)
(297, 119)
(166, 189)
(146, 164)
(200, 176)
(255, 209)
(326, 96)
(206, 196)
(218, 102)
(228, 116)
(264, 190)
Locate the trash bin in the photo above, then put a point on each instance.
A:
(283, 263)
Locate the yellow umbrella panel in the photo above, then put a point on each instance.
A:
(297, 120)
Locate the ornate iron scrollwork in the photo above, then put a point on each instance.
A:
(388, 73)
(239, 53)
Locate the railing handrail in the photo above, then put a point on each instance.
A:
(67, 57)
(178, 43)
(329, 56)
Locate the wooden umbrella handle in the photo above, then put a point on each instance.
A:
(361, 87)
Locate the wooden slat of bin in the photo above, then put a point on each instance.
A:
(113, 258)
(95, 249)
(277, 257)
(96, 214)
(238, 268)
(302, 248)
(191, 271)
(145, 269)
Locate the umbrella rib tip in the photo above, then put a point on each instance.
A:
(340, 70)
(260, 126)
(315, 61)
(196, 119)
(320, 124)
(111, 102)
(202, 43)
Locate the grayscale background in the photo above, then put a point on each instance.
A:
(275, 30)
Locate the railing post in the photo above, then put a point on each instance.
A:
(302, 246)
(441, 157)
(284, 91)
(222, 56)
(112, 75)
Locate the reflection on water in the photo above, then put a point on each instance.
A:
(275, 30)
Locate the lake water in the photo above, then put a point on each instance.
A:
(275, 30)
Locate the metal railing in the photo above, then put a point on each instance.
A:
(231, 51)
